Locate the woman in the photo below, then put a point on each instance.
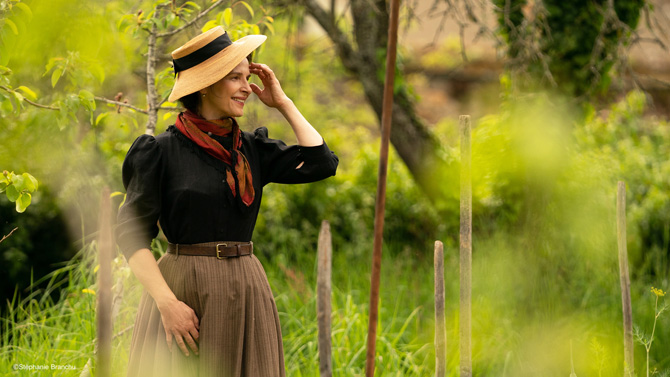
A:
(207, 309)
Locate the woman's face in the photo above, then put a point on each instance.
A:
(226, 97)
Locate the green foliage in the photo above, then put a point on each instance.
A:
(579, 41)
(18, 188)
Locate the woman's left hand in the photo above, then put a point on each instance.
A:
(272, 94)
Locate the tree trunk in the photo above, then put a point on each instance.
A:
(415, 143)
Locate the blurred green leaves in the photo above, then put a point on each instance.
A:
(18, 188)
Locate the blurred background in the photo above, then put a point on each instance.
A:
(566, 97)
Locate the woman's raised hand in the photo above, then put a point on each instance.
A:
(271, 94)
(180, 323)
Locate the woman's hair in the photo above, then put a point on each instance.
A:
(192, 101)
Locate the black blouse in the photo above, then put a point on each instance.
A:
(171, 180)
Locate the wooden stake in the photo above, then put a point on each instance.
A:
(466, 248)
(440, 328)
(323, 305)
(387, 109)
(629, 365)
(104, 294)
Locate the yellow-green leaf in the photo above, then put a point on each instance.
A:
(228, 16)
(209, 25)
(270, 27)
(100, 118)
(167, 115)
(23, 202)
(12, 26)
(27, 92)
(12, 193)
(55, 76)
(24, 8)
(251, 11)
(29, 182)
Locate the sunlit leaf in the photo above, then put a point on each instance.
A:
(209, 25)
(55, 76)
(97, 72)
(191, 4)
(269, 18)
(25, 8)
(4, 71)
(23, 202)
(270, 27)
(87, 99)
(27, 92)
(12, 26)
(101, 117)
(251, 11)
(12, 193)
(31, 182)
(228, 16)
(167, 115)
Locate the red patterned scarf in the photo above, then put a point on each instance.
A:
(195, 128)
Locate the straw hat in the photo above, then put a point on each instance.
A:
(208, 58)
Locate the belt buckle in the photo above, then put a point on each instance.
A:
(218, 251)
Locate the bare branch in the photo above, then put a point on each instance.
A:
(123, 104)
(7, 236)
(194, 20)
(31, 102)
(344, 49)
(47, 107)
(170, 108)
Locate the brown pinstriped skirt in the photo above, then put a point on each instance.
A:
(239, 326)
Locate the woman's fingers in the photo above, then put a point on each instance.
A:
(255, 88)
(169, 339)
(191, 342)
(182, 324)
(181, 344)
(196, 321)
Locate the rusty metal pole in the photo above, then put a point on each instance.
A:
(380, 203)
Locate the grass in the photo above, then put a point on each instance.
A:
(524, 316)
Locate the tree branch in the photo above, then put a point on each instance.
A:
(194, 20)
(7, 236)
(31, 102)
(152, 95)
(47, 107)
(346, 52)
(118, 103)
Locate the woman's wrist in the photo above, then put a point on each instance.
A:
(285, 105)
(165, 300)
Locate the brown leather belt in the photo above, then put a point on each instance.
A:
(221, 250)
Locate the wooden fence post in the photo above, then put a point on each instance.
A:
(104, 304)
(465, 248)
(440, 329)
(323, 303)
(624, 278)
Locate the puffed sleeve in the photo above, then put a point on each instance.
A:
(138, 217)
(280, 162)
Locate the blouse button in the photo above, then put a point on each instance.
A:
(209, 133)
